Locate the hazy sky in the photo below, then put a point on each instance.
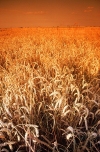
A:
(44, 13)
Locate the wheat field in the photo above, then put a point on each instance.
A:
(50, 89)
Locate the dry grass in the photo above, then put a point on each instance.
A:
(50, 90)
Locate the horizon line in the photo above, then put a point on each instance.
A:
(68, 26)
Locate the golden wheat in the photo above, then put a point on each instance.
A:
(50, 89)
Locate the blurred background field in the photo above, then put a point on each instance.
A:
(50, 89)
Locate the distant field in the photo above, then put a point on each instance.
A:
(50, 89)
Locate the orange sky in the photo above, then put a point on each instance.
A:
(49, 13)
